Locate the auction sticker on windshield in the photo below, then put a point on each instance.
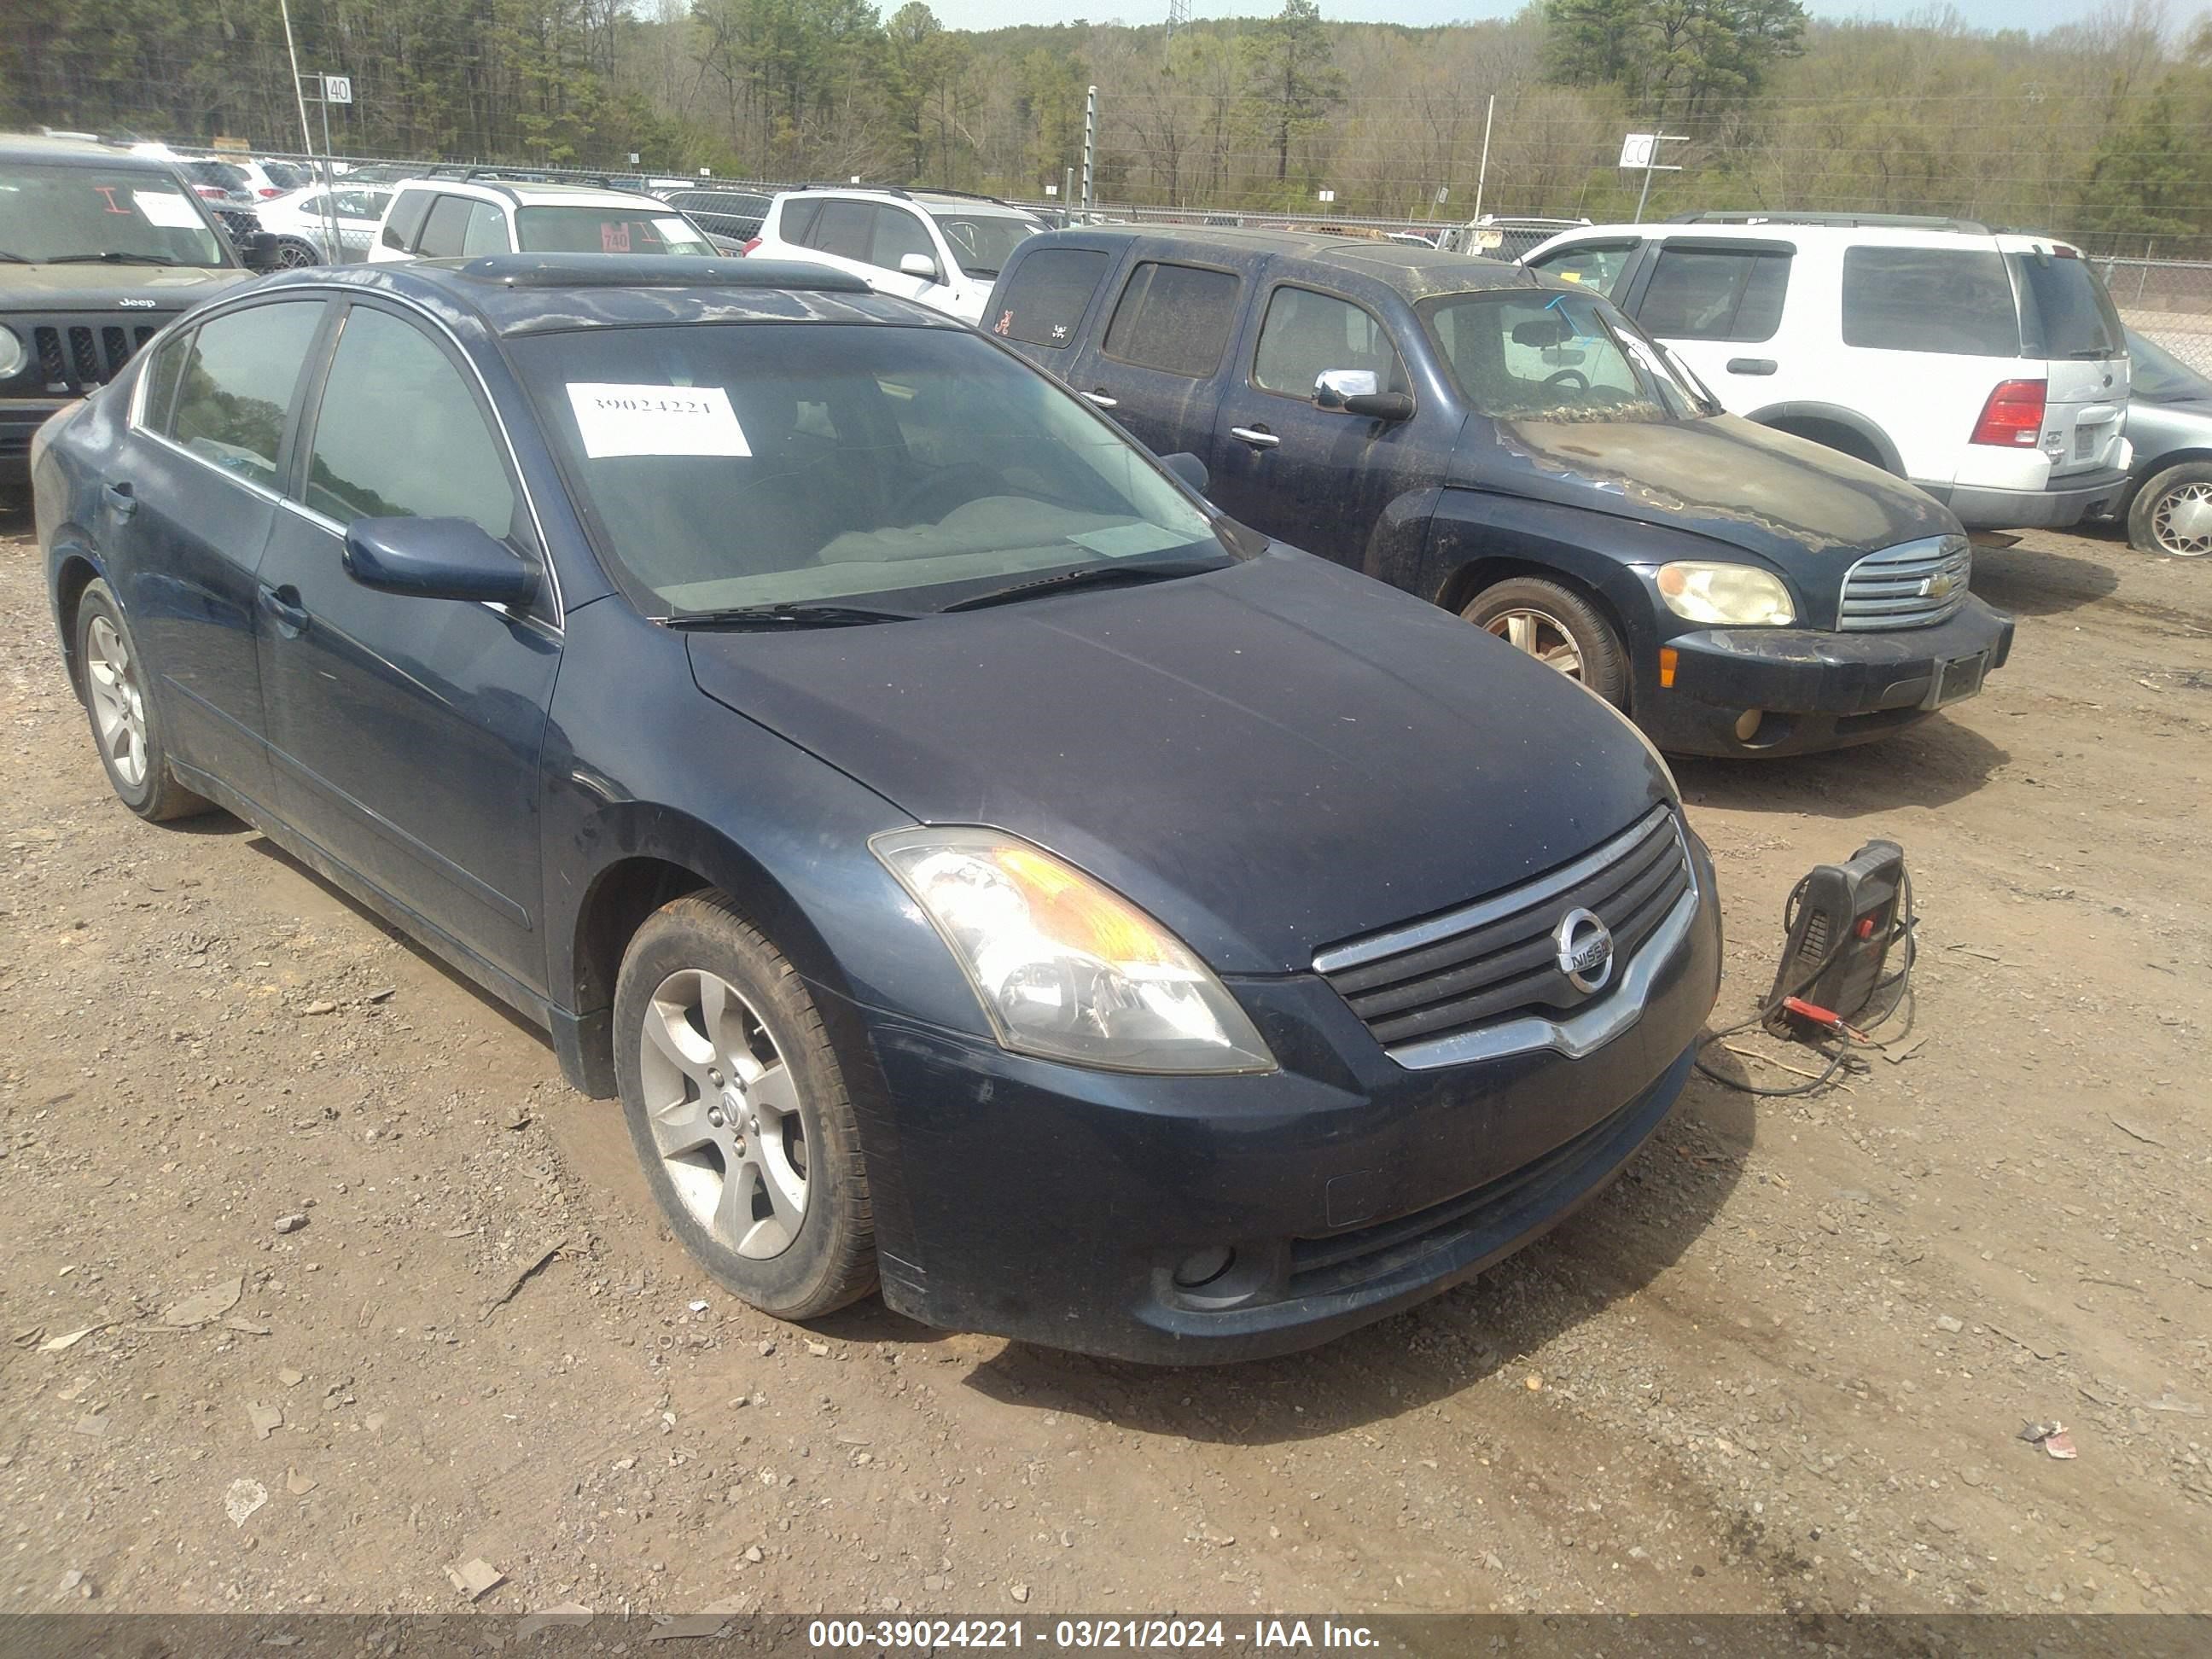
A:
(655, 420)
(166, 209)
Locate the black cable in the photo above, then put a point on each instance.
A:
(1904, 927)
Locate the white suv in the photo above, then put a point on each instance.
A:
(1989, 369)
(943, 247)
(459, 218)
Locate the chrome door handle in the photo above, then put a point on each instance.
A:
(1103, 401)
(1258, 436)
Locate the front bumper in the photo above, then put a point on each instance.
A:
(1817, 691)
(1056, 1204)
(2068, 500)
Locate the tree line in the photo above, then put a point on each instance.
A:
(2100, 129)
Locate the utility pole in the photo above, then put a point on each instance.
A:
(299, 92)
(1090, 142)
(1482, 172)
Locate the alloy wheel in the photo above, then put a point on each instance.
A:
(724, 1109)
(1542, 636)
(118, 703)
(2181, 522)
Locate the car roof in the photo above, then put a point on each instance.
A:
(511, 294)
(24, 146)
(1818, 231)
(1415, 271)
(524, 195)
(920, 195)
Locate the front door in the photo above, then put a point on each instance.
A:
(406, 731)
(1155, 367)
(1319, 478)
(189, 506)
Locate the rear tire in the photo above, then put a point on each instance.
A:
(1556, 625)
(126, 724)
(2172, 512)
(739, 1111)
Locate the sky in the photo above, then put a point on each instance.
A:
(2032, 15)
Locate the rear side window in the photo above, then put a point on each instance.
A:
(1173, 318)
(234, 391)
(1046, 296)
(400, 433)
(1307, 334)
(2064, 311)
(1715, 293)
(847, 229)
(1954, 300)
(408, 213)
(1594, 266)
(796, 223)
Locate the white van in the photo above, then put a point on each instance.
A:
(1991, 369)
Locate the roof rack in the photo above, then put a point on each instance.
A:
(907, 193)
(1841, 221)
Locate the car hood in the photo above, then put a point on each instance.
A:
(1269, 759)
(101, 287)
(1781, 498)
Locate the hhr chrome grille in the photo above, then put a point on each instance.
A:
(1908, 585)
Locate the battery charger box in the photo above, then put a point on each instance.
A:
(1839, 937)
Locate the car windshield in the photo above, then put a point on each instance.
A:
(1535, 355)
(779, 464)
(2064, 311)
(2157, 375)
(606, 230)
(89, 212)
(288, 175)
(983, 242)
(224, 176)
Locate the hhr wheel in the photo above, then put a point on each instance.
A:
(1555, 625)
(739, 1111)
(125, 725)
(2173, 514)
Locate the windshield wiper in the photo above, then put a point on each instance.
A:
(1085, 575)
(786, 614)
(109, 258)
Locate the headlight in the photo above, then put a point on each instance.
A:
(12, 355)
(1065, 968)
(1738, 595)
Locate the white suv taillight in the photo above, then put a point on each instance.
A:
(749, 247)
(2013, 416)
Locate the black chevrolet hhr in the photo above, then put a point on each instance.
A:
(979, 867)
(1514, 449)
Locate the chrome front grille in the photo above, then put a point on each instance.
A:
(1486, 979)
(75, 354)
(1908, 585)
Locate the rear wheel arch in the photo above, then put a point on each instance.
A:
(1840, 429)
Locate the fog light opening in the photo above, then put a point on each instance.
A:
(1201, 1268)
(1747, 724)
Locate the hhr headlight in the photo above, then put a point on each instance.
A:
(1731, 595)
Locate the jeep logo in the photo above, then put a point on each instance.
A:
(136, 305)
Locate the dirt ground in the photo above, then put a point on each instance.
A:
(1782, 1365)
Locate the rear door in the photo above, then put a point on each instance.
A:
(2068, 322)
(190, 508)
(1156, 365)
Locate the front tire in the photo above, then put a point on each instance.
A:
(126, 726)
(738, 1110)
(2173, 514)
(1558, 626)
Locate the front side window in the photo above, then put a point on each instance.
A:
(898, 233)
(1047, 295)
(1596, 267)
(793, 463)
(983, 242)
(1715, 293)
(1953, 301)
(606, 230)
(1177, 319)
(485, 231)
(91, 214)
(399, 434)
(1528, 355)
(235, 385)
(1307, 334)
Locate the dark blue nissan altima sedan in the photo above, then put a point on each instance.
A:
(979, 867)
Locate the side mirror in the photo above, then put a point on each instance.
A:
(1189, 468)
(918, 264)
(257, 251)
(438, 559)
(1352, 392)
